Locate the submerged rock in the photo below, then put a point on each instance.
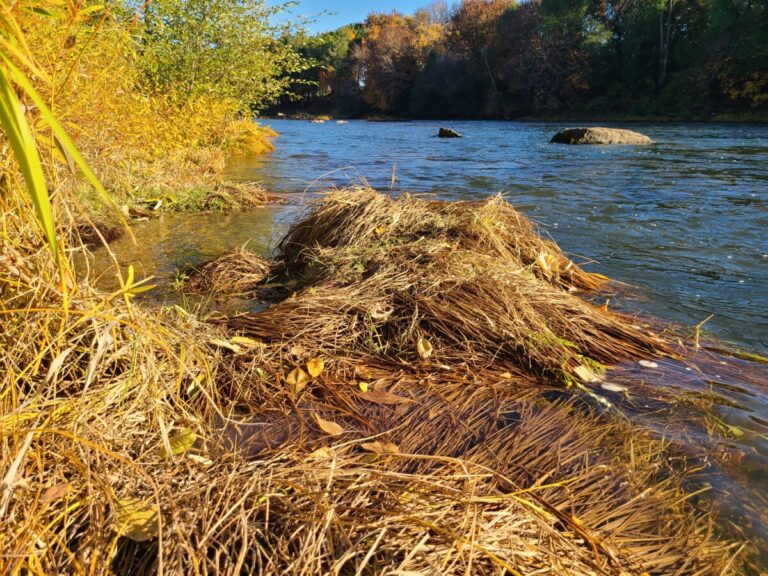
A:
(600, 136)
(448, 133)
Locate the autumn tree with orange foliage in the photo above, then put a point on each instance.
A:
(502, 58)
(392, 54)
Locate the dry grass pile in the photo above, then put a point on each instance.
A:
(467, 283)
(136, 441)
(240, 272)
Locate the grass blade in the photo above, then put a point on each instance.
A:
(25, 151)
(64, 140)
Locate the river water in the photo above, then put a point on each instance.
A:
(683, 221)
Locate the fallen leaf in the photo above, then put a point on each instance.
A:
(56, 492)
(137, 519)
(247, 342)
(380, 230)
(585, 374)
(180, 443)
(547, 263)
(202, 460)
(381, 447)
(424, 348)
(613, 387)
(297, 380)
(322, 454)
(330, 428)
(194, 388)
(363, 386)
(226, 345)
(315, 367)
(506, 375)
(382, 397)
(297, 351)
(380, 312)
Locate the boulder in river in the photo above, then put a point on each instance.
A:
(448, 133)
(600, 136)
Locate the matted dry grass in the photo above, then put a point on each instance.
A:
(472, 281)
(240, 272)
(474, 459)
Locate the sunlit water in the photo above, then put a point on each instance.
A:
(683, 221)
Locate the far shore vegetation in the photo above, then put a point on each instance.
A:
(654, 60)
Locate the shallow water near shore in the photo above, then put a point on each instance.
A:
(682, 221)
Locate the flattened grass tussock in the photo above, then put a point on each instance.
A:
(240, 272)
(474, 280)
(403, 410)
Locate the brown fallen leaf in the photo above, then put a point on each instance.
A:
(297, 351)
(330, 428)
(322, 454)
(385, 398)
(247, 342)
(226, 345)
(297, 380)
(56, 492)
(381, 447)
(548, 264)
(363, 372)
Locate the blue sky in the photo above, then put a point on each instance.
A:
(347, 11)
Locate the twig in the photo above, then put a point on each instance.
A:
(10, 476)
(697, 330)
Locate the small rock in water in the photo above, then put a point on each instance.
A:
(648, 364)
(613, 387)
(448, 133)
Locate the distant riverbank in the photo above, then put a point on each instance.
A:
(758, 117)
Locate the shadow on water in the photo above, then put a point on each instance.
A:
(682, 221)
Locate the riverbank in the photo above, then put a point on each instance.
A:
(368, 420)
(756, 117)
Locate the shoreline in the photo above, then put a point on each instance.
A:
(724, 118)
